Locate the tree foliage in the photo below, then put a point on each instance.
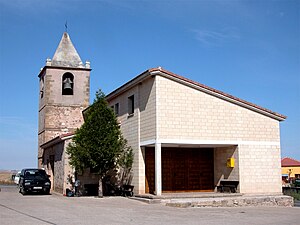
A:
(125, 162)
(98, 144)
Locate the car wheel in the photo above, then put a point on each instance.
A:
(47, 192)
(22, 191)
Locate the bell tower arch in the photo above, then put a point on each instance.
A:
(67, 84)
(64, 93)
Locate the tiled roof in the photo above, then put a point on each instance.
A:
(57, 139)
(66, 135)
(285, 162)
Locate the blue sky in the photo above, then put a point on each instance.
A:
(249, 49)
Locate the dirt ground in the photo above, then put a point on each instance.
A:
(5, 177)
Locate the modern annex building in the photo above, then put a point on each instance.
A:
(290, 168)
(186, 136)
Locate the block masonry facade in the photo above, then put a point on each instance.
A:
(171, 112)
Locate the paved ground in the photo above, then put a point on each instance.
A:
(56, 209)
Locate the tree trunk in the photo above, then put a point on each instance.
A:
(100, 188)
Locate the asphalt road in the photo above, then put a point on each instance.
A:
(56, 209)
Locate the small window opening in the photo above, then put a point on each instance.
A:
(67, 84)
(131, 104)
(42, 87)
(116, 109)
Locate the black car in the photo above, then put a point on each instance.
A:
(34, 180)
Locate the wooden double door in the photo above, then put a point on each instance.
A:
(183, 169)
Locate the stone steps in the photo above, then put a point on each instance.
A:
(221, 201)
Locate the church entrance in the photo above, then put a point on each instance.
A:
(183, 169)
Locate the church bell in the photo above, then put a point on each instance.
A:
(68, 83)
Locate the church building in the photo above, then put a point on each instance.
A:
(187, 137)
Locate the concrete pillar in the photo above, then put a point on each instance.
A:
(158, 168)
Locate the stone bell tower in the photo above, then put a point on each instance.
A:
(64, 93)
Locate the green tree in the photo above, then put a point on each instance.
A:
(98, 144)
(125, 162)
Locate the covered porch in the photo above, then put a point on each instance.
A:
(188, 167)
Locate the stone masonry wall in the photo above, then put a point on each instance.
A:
(63, 118)
(130, 128)
(46, 163)
(59, 168)
(139, 126)
(147, 107)
(68, 170)
(260, 169)
(186, 113)
(56, 173)
(189, 114)
(58, 120)
(221, 171)
(53, 87)
(59, 114)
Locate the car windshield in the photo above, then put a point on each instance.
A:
(35, 173)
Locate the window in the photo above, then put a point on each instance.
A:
(42, 87)
(67, 84)
(131, 104)
(31, 173)
(116, 109)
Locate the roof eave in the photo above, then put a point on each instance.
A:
(218, 94)
(161, 72)
(127, 85)
(56, 140)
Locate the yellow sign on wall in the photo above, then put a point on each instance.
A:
(230, 162)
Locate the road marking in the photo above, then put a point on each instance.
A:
(45, 221)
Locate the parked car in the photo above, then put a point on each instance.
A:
(17, 178)
(34, 180)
